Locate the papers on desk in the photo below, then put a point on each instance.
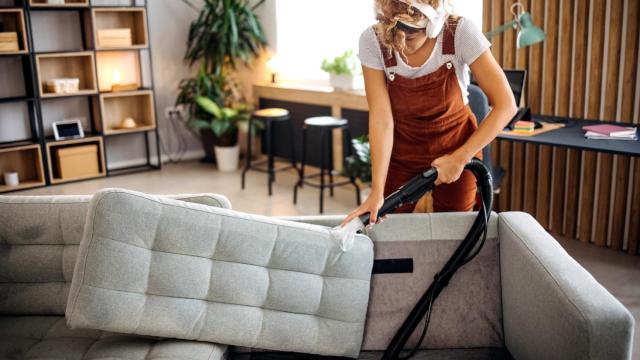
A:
(610, 132)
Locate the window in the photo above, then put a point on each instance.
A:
(310, 30)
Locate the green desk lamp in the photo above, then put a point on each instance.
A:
(528, 33)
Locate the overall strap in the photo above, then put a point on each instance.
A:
(449, 36)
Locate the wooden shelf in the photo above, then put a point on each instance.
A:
(120, 105)
(12, 20)
(134, 19)
(67, 4)
(54, 177)
(27, 161)
(79, 65)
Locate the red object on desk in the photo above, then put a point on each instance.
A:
(610, 130)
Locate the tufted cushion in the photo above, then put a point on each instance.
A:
(48, 337)
(160, 267)
(39, 238)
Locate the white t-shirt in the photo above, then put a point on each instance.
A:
(470, 43)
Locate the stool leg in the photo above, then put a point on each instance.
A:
(247, 164)
(300, 182)
(292, 144)
(322, 167)
(270, 175)
(329, 153)
(347, 132)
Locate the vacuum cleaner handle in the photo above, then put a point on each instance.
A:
(422, 183)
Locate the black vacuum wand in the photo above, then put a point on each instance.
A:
(410, 193)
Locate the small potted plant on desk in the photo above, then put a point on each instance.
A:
(223, 122)
(342, 70)
(358, 165)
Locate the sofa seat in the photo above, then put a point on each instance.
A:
(48, 337)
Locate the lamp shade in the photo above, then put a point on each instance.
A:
(529, 34)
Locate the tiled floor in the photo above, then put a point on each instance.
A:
(618, 272)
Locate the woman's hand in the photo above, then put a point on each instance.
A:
(450, 168)
(371, 205)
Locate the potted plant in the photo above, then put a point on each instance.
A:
(358, 165)
(225, 34)
(342, 70)
(223, 122)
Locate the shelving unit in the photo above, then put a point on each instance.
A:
(80, 65)
(12, 21)
(26, 160)
(95, 66)
(54, 176)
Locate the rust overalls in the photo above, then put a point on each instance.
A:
(430, 120)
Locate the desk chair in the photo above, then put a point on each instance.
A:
(479, 104)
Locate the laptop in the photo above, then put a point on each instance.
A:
(517, 81)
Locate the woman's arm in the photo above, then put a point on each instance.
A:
(380, 140)
(493, 82)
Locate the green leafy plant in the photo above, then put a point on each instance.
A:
(223, 121)
(358, 165)
(344, 64)
(224, 32)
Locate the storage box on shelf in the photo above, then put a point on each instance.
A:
(79, 65)
(71, 160)
(13, 35)
(119, 28)
(117, 107)
(27, 162)
(59, 3)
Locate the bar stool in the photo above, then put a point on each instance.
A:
(268, 117)
(325, 125)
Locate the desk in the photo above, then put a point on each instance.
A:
(572, 136)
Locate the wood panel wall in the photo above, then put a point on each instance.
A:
(587, 68)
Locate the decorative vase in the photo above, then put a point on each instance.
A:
(11, 179)
(227, 157)
(341, 82)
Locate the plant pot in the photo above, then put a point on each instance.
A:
(227, 157)
(208, 142)
(341, 82)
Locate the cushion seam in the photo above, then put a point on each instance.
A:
(224, 303)
(231, 262)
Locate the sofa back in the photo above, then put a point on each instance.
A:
(39, 239)
(468, 312)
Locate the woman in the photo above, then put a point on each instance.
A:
(415, 62)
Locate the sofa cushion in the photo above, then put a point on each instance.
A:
(39, 238)
(155, 266)
(48, 337)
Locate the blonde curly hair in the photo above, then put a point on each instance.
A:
(388, 13)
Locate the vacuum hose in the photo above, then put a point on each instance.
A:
(410, 193)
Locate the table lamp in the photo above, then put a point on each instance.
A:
(528, 33)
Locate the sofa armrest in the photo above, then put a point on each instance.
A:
(552, 307)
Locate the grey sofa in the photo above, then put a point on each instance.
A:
(523, 297)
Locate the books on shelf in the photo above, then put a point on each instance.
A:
(610, 132)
